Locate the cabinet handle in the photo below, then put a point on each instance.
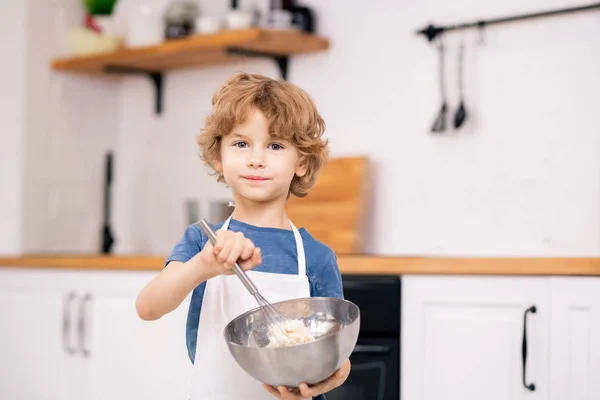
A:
(66, 323)
(371, 349)
(82, 324)
(531, 309)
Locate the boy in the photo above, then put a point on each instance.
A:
(263, 138)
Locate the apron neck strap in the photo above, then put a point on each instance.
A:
(299, 250)
(299, 246)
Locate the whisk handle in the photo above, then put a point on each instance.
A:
(236, 268)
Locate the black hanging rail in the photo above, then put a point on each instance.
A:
(432, 31)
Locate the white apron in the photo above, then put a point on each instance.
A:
(216, 375)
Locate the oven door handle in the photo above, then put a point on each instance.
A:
(372, 349)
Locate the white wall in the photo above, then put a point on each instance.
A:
(522, 178)
(71, 122)
(12, 81)
(56, 129)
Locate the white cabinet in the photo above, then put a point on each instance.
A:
(129, 358)
(37, 344)
(74, 335)
(575, 339)
(463, 338)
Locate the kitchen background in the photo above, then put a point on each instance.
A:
(520, 178)
(480, 241)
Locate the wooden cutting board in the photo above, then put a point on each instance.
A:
(334, 211)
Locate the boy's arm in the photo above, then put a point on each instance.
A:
(170, 287)
(329, 281)
(184, 272)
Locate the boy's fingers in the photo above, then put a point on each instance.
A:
(248, 249)
(255, 260)
(305, 389)
(228, 243)
(219, 242)
(236, 249)
(282, 392)
(272, 390)
(256, 256)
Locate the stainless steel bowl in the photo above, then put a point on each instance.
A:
(333, 322)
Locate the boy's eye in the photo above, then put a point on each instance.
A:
(241, 145)
(275, 146)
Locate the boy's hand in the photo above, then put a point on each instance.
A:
(229, 248)
(308, 392)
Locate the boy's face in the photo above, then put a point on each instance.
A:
(255, 165)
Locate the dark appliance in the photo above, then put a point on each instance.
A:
(303, 17)
(180, 19)
(375, 373)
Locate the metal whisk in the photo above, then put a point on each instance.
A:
(274, 318)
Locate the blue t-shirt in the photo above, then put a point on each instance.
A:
(279, 255)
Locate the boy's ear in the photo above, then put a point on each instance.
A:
(218, 166)
(302, 166)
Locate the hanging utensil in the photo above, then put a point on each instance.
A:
(108, 240)
(440, 122)
(461, 113)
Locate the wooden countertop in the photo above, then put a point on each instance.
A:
(349, 264)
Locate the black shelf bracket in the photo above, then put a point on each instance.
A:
(432, 31)
(282, 61)
(155, 76)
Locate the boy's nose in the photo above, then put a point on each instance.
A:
(256, 159)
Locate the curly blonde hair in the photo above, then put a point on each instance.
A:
(291, 113)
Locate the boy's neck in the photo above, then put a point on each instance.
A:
(267, 215)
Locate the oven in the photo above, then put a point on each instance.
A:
(375, 373)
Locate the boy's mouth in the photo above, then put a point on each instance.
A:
(255, 178)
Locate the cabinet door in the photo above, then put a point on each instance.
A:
(38, 347)
(462, 338)
(129, 358)
(575, 338)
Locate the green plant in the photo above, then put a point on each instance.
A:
(100, 7)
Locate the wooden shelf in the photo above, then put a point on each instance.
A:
(196, 51)
(225, 47)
